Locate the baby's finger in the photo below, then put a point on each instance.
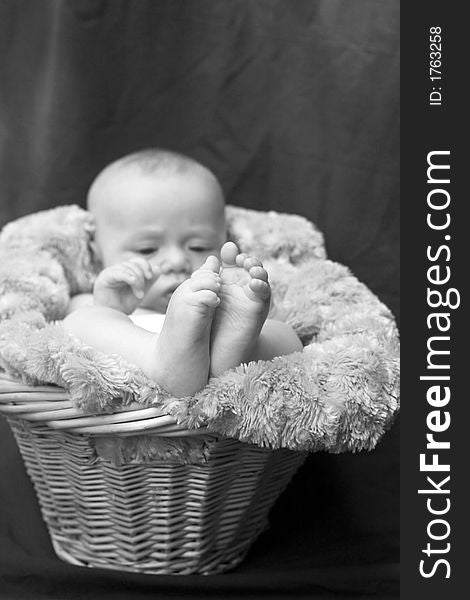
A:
(135, 268)
(125, 274)
(149, 271)
(138, 289)
(116, 275)
(155, 270)
(137, 282)
(143, 265)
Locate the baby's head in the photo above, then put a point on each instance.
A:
(161, 205)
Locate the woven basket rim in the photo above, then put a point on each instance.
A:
(51, 405)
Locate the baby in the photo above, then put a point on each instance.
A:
(174, 297)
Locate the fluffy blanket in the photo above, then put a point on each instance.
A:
(339, 394)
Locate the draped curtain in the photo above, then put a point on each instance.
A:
(294, 104)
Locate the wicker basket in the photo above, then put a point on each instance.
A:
(158, 517)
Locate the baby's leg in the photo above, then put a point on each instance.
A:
(178, 357)
(182, 348)
(240, 331)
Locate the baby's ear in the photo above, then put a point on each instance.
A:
(94, 250)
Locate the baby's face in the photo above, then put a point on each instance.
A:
(175, 221)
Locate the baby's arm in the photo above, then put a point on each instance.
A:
(79, 301)
(121, 286)
(101, 320)
(178, 357)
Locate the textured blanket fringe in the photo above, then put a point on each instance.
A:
(97, 382)
(142, 449)
(339, 394)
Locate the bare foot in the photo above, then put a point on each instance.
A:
(244, 304)
(182, 348)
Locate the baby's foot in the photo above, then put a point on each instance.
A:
(182, 348)
(244, 304)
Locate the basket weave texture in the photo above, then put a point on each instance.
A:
(130, 478)
(157, 517)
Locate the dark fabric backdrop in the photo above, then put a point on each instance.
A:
(294, 105)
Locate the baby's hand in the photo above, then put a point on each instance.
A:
(123, 286)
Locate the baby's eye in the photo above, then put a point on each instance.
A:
(147, 251)
(199, 248)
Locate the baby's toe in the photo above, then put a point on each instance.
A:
(228, 253)
(212, 263)
(251, 261)
(258, 272)
(260, 288)
(240, 259)
(207, 298)
(210, 268)
(205, 281)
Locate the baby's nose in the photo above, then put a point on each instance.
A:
(174, 260)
